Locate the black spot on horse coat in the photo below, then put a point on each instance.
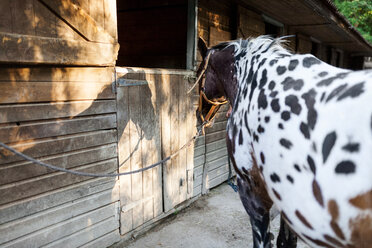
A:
(345, 167)
(328, 143)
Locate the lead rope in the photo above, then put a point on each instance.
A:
(56, 168)
(229, 180)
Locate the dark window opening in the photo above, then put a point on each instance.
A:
(338, 58)
(152, 33)
(315, 48)
(329, 55)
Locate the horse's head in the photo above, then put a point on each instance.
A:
(216, 78)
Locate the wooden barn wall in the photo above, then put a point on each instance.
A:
(65, 117)
(152, 33)
(58, 32)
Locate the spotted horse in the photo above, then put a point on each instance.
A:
(299, 136)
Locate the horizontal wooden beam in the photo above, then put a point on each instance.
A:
(26, 49)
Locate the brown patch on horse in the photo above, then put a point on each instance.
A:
(363, 201)
(318, 193)
(333, 241)
(361, 231)
(319, 242)
(260, 186)
(277, 194)
(334, 212)
(230, 150)
(333, 209)
(303, 219)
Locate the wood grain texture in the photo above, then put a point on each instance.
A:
(136, 152)
(19, 171)
(37, 111)
(5, 16)
(110, 18)
(54, 216)
(42, 184)
(53, 91)
(52, 199)
(57, 145)
(125, 182)
(90, 26)
(89, 233)
(52, 128)
(36, 50)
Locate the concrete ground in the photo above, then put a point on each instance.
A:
(217, 220)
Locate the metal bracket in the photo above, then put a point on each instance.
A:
(123, 82)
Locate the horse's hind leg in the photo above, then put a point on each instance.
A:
(286, 238)
(259, 215)
(261, 231)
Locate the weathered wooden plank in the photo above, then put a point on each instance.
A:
(198, 171)
(97, 12)
(80, 20)
(50, 146)
(218, 126)
(65, 232)
(61, 213)
(198, 161)
(86, 235)
(215, 136)
(23, 18)
(198, 182)
(51, 199)
(183, 138)
(216, 154)
(176, 168)
(64, 31)
(148, 153)
(218, 180)
(16, 191)
(196, 190)
(110, 19)
(124, 71)
(36, 50)
(220, 162)
(166, 141)
(57, 74)
(5, 16)
(22, 92)
(200, 141)
(217, 36)
(104, 241)
(198, 150)
(250, 24)
(22, 170)
(216, 145)
(191, 130)
(157, 173)
(44, 111)
(45, 21)
(136, 136)
(124, 154)
(37, 130)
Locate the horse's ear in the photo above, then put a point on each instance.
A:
(203, 49)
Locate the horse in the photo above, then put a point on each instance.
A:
(299, 135)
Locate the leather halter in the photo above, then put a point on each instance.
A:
(216, 104)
